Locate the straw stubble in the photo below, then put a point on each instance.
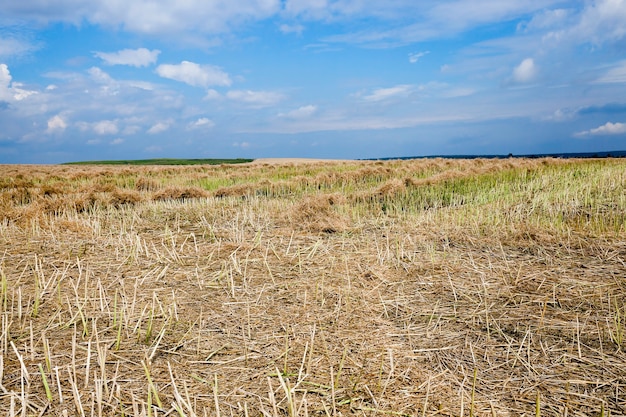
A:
(431, 287)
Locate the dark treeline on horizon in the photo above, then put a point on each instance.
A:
(566, 155)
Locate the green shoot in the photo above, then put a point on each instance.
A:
(45, 383)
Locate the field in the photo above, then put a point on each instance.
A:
(163, 161)
(396, 288)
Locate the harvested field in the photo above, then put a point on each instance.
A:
(396, 288)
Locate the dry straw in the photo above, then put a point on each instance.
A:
(396, 288)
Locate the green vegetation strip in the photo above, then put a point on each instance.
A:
(163, 161)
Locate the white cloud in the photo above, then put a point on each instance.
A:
(10, 46)
(415, 56)
(255, 98)
(202, 122)
(606, 129)
(56, 124)
(108, 86)
(111, 86)
(429, 20)
(20, 93)
(143, 16)
(192, 15)
(141, 57)
(614, 75)
(211, 94)
(9, 90)
(105, 127)
(100, 76)
(300, 113)
(459, 15)
(117, 141)
(383, 94)
(194, 74)
(561, 115)
(142, 85)
(525, 72)
(601, 21)
(159, 127)
(546, 19)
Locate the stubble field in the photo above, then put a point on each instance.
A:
(398, 288)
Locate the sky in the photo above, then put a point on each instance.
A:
(137, 79)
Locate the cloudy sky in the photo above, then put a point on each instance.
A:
(121, 79)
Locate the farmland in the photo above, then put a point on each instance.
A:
(396, 288)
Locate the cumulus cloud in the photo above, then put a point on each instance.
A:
(105, 127)
(415, 56)
(383, 94)
(56, 124)
(141, 57)
(255, 98)
(300, 113)
(211, 94)
(202, 122)
(604, 130)
(20, 93)
(525, 72)
(9, 90)
(159, 128)
(194, 74)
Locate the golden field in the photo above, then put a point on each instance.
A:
(354, 288)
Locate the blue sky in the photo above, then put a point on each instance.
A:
(120, 79)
